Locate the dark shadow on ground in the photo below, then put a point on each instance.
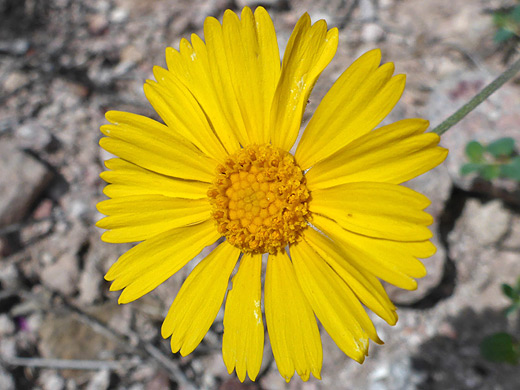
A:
(452, 360)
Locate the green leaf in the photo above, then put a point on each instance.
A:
(511, 309)
(503, 35)
(469, 168)
(509, 291)
(515, 14)
(502, 147)
(511, 170)
(474, 151)
(499, 19)
(500, 348)
(490, 172)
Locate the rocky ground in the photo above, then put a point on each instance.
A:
(63, 63)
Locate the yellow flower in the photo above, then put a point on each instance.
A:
(332, 217)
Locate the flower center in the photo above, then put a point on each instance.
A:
(259, 199)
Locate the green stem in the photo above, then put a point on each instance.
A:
(477, 99)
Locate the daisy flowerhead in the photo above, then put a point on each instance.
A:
(332, 217)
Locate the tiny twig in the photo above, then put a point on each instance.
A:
(14, 227)
(477, 99)
(7, 293)
(131, 341)
(348, 14)
(67, 364)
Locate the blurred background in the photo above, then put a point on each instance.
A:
(64, 63)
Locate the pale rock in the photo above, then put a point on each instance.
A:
(367, 10)
(62, 276)
(22, 179)
(32, 135)
(6, 380)
(64, 336)
(14, 81)
(255, 3)
(9, 275)
(131, 54)
(7, 326)
(90, 282)
(51, 380)
(100, 381)
(118, 15)
(143, 372)
(512, 238)
(98, 24)
(14, 46)
(384, 4)
(140, 386)
(71, 384)
(485, 223)
(372, 33)
(7, 347)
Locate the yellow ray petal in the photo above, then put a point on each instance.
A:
(293, 331)
(165, 159)
(190, 66)
(365, 285)
(224, 95)
(138, 129)
(360, 99)
(393, 261)
(392, 154)
(199, 299)
(243, 341)
(129, 179)
(147, 143)
(308, 52)
(334, 303)
(140, 217)
(233, 76)
(254, 65)
(151, 262)
(380, 210)
(182, 113)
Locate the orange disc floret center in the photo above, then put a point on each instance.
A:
(259, 199)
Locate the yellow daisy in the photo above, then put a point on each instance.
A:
(332, 217)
